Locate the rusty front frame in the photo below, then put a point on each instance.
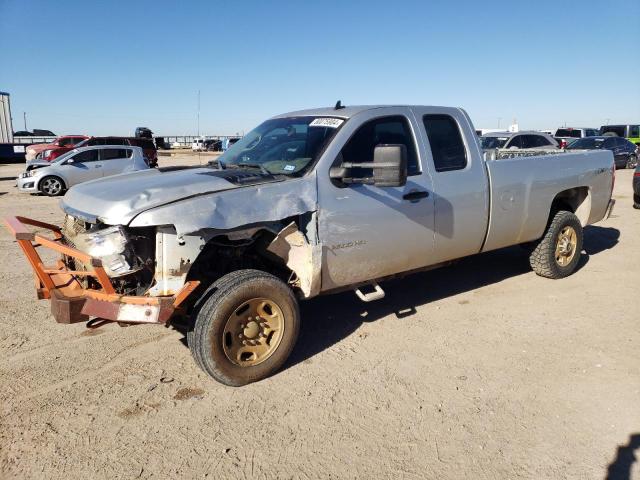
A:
(70, 301)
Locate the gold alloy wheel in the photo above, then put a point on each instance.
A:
(566, 246)
(253, 332)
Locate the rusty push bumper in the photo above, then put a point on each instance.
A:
(70, 301)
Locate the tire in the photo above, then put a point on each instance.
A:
(51, 186)
(235, 351)
(632, 161)
(545, 259)
(636, 202)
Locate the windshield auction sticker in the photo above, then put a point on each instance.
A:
(327, 122)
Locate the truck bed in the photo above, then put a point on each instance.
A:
(523, 189)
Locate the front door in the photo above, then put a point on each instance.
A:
(86, 166)
(370, 232)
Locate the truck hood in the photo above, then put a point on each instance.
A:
(118, 199)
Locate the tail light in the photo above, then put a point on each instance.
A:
(563, 144)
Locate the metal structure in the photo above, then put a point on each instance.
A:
(6, 128)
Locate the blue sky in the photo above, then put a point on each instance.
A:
(106, 67)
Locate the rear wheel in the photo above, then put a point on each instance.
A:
(51, 186)
(636, 201)
(632, 161)
(557, 253)
(246, 329)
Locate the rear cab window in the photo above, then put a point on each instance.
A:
(445, 140)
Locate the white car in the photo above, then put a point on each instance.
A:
(80, 165)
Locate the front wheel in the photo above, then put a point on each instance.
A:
(632, 161)
(557, 253)
(246, 329)
(51, 186)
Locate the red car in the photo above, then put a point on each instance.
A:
(147, 145)
(65, 141)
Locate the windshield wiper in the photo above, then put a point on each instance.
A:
(248, 165)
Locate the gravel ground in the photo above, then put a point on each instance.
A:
(479, 370)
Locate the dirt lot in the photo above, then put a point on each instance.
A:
(481, 370)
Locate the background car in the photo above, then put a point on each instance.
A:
(147, 145)
(566, 135)
(630, 132)
(80, 165)
(625, 153)
(65, 141)
(517, 140)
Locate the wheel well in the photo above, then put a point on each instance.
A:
(223, 254)
(575, 200)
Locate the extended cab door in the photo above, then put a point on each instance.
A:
(368, 232)
(460, 182)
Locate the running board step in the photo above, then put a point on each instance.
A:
(377, 293)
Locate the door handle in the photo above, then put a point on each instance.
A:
(417, 195)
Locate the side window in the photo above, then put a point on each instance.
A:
(528, 141)
(540, 141)
(515, 142)
(86, 156)
(634, 131)
(446, 142)
(387, 130)
(65, 141)
(113, 153)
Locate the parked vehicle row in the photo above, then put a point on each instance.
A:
(80, 165)
(51, 152)
(625, 153)
(519, 140)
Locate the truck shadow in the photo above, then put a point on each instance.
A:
(328, 320)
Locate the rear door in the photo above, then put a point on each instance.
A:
(460, 183)
(115, 160)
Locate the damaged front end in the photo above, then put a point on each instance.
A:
(102, 272)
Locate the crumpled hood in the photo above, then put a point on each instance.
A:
(116, 200)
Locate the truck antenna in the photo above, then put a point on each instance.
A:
(339, 105)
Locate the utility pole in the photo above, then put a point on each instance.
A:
(24, 114)
(198, 113)
(499, 118)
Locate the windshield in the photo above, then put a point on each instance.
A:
(587, 143)
(287, 146)
(568, 132)
(64, 156)
(493, 142)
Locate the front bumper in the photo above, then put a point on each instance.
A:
(27, 184)
(70, 301)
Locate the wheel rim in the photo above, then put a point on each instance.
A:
(253, 332)
(51, 186)
(631, 163)
(566, 246)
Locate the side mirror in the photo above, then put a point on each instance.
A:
(389, 168)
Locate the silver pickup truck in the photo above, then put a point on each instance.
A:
(308, 203)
